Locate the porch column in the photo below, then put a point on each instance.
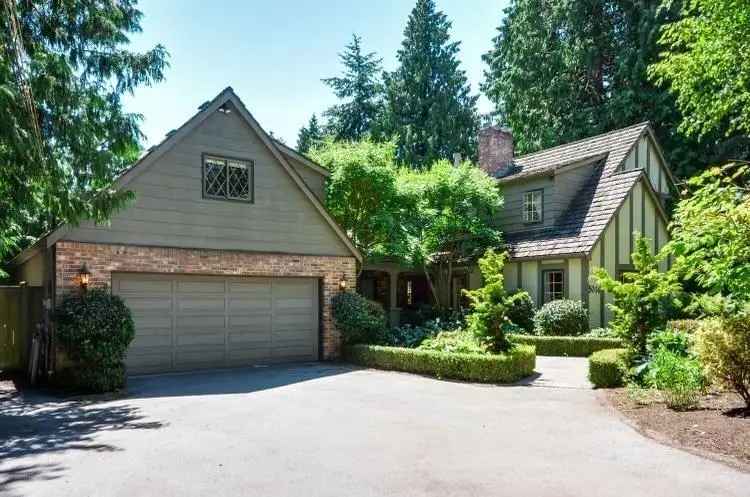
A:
(395, 311)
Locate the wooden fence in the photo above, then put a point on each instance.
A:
(20, 311)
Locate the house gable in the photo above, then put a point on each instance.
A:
(170, 209)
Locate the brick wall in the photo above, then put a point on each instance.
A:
(103, 260)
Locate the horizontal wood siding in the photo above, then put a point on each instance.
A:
(510, 218)
(313, 179)
(170, 210)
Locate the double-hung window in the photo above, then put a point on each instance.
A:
(532, 206)
(553, 282)
(228, 179)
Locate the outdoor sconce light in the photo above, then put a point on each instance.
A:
(342, 283)
(85, 275)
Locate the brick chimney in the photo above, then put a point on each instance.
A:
(496, 150)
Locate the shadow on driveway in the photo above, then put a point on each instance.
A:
(231, 381)
(32, 424)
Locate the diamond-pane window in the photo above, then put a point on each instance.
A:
(227, 178)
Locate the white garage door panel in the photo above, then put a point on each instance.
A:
(189, 322)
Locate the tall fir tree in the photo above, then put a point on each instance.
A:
(309, 135)
(429, 107)
(561, 70)
(361, 89)
(64, 135)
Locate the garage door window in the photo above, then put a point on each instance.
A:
(227, 179)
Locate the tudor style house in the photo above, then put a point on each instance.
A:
(226, 257)
(567, 210)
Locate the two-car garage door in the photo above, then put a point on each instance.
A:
(186, 322)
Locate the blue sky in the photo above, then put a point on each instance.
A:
(274, 54)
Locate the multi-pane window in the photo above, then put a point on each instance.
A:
(554, 285)
(532, 206)
(230, 179)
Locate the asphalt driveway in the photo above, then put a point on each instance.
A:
(333, 430)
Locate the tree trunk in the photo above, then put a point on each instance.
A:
(431, 285)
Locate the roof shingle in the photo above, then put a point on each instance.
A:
(577, 230)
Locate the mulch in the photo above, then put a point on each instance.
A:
(718, 429)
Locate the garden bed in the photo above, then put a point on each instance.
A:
(569, 346)
(717, 429)
(483, 368)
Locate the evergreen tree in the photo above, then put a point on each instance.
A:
(560, 71)
(309, 135)
(64, 135)
(429, 107)
(361, 87)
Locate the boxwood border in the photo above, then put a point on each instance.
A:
(482, 368)
(567, 346)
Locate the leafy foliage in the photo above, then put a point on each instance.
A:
(522, 310)
(95, 330)
(705, 64)
(448, 223)
(679, 378)
(309, 136)
(567, 346)
(711, 232)
(359, 320)
(411, 336)
(490, 304)
(641, 299)
(458, 342)
(64, 135)
(560, 71)
(363, 196)
(672, 341)
(360, 84)
(562, 318)
(487, 368)
(723, 346)
(608, 368)
(428, 103)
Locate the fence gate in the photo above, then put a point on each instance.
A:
(20, 310)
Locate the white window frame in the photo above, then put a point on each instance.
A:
(533, 206)
(550, 294)
(233, 163)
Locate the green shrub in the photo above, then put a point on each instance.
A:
(567, 346)
(602, 333)
(95, 329)
(411, 336)
(521, 311)
(359, 320)
(562, 318)
(689, 326)
(488, 319)
(460, 342)
(679, 378)
(607, 368)
(673, 341)
(643, 300)
(723, 346)
(486, 368)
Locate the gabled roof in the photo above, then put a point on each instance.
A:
(301, 158)
(614, 145)
(585, 220)
(174, 137)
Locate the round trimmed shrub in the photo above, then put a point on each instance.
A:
(521, 311)
(562, 318)
(358, 319)
(95, 329)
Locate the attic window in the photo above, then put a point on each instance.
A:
(227, 179)
(532, 206)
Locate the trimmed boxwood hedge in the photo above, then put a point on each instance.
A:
(607, 368)
(567, 346)
(484, 368)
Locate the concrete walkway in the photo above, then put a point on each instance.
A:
(562, 372)
(334, 430)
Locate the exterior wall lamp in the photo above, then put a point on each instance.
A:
(85, 275)
(342, 283)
